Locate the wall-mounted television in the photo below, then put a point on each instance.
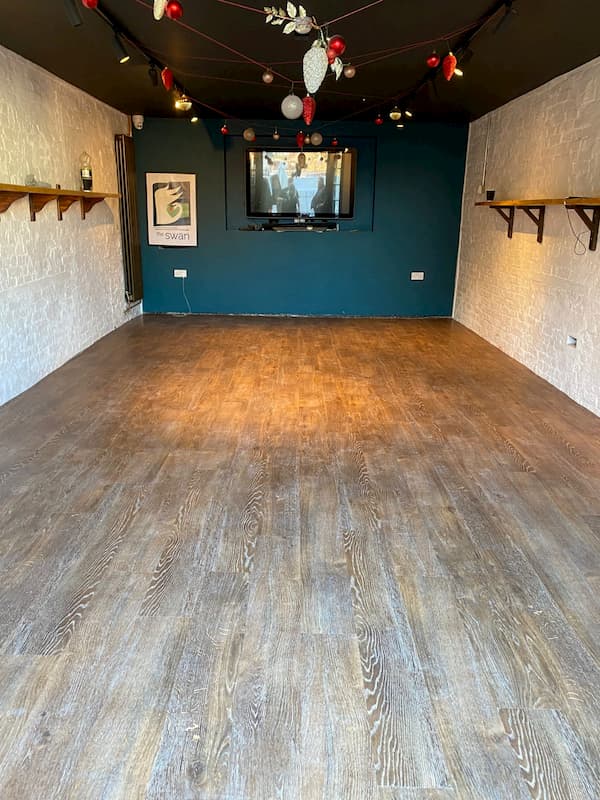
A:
(314, 183)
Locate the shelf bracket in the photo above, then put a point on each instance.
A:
(87, 203)
(537, 220)
(8, 198)
(593, 222)
(508, 218)
(37, 202)
(63, 204)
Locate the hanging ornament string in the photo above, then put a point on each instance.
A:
(352, 13)
(214, 41)
(217, 111)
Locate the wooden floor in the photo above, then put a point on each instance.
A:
(252, 559)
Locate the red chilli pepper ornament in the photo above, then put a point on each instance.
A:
(167, 78)
(449, 66)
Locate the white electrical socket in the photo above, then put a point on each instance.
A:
(180, 273)
(417, 276)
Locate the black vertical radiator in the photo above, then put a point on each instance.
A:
(128, 209)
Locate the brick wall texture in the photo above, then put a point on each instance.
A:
(61, 283)
(527, 298)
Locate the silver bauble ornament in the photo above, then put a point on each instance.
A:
(291, 107)
(316, 139)
(303, 25)
(249, 135)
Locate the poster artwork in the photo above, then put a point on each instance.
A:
(171, 203)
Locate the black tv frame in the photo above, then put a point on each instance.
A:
(320, 217)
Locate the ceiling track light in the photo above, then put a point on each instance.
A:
(153, 75)
(183, 103)
(122, 54)
(72, 13)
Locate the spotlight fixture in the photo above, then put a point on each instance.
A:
(122, 54)
(153, 74)
(458, 72)
(72, 13)
(395, 114)
(408, 113)
(183, 103)
(195, 119)
(400, 125)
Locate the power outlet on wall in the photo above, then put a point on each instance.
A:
(180, 273)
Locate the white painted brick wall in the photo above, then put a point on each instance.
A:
(525, 297)
(61, 283)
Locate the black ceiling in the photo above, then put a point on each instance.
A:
(538, 42)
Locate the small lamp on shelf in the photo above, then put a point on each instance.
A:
(85, 170)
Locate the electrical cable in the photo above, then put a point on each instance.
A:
(580, 248)
(183, 280)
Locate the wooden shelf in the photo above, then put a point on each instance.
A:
(39, 196)
(588, 209)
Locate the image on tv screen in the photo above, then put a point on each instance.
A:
(312, 184)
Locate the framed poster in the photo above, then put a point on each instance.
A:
(171, 204)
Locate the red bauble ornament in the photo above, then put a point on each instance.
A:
(174, 9)
(338, 45)
(433, 61)
(334, 142)
(90, 3)
(309, 108)
(300, 139)
(331, 55)
(224, 129)
(167, 78)
(378, 120)
(449, 66)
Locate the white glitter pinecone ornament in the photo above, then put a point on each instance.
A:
(315, 67)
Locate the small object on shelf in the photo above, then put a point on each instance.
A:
(490, 194)
(85, 163)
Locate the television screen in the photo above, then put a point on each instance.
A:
(316, 183)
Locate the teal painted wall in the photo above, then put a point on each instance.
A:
(407, 217)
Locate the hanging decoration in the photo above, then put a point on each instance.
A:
(309, 108)
(300, 139)
(378, 120)
(276, 135)
(174, 10)
(167, 78)
(159, 8)
(292, 107)
(307, 139)
(395, 114)
(224, 129)
(316, 139)
(90, 3)
(249, 135)
(297, 19)
(268, 76)
(449, 66)
(337, 44)
(334, 142)
(315, 67)
(349, 71)
(433, 61)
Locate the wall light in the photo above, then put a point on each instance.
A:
(122, 54)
